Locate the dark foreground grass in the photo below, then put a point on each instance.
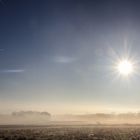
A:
(70, 133)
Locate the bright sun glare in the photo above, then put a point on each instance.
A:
(125, 67)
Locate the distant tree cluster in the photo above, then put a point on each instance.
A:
(24, 113)
(26, 117)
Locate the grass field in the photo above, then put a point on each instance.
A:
(86, 132)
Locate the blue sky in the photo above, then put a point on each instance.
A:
(59, 55)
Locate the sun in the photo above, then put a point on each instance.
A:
(125, 67)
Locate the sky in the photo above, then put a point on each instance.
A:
(59, 56)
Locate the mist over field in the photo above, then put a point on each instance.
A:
(45, 118)
(25, 117)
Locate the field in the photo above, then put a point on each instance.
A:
(85, 132)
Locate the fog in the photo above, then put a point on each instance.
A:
(25, 117)
(101, 118)
(45, 118)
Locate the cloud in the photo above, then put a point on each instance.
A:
(12, 71)
(64, 59)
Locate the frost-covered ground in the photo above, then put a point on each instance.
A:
(86, 132)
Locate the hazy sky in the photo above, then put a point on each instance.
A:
(58, 55)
